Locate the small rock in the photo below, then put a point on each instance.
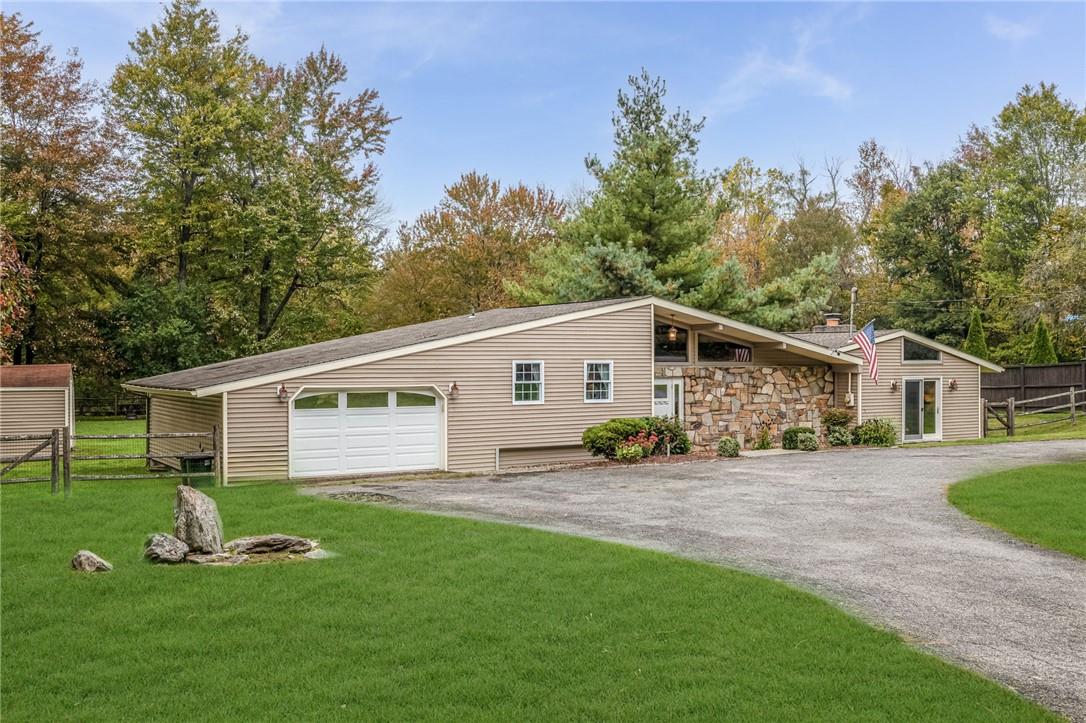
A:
(218, 558)
(318, 554)
(196, 521)
(161, 547)
(87, 561)
(262, 544)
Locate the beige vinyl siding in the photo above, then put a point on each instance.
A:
(182, 414)
(483, 417)
(30, 411)
(960, 408)
(519, 458)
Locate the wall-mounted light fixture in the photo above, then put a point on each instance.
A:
(953, 385)
(893, 385)
(672, 332)
(454, 390)
(283, 393)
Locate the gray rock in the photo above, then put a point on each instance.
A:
(161, 547)
(219, 558)
(196, 521)
(318, 554)
(262, 544)
(87, 561)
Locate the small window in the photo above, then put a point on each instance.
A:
(597, 381)
(914, 351)
(668, 350)
(318, 401)
(713, 350)
(414, 399)
(367, 400)
(528, 382)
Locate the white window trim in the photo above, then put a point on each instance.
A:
(938, 360)
(513, 387)
(610, 382)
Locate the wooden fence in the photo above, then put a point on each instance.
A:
(56, 456)
(1014, 415)
(1028, 383)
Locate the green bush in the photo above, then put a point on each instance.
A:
(727, 447)
(668, 430)
(808, 443)
(764, 441)
(791, 437)
(629, 453)
(839, 437)
(834, 417)
(603, 440)
(875, 433)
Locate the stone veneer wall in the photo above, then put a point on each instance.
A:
(738, 401)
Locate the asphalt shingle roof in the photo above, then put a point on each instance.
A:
(286, 360)
(832, 339)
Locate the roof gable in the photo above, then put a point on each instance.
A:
(901, 333)
(41, 376)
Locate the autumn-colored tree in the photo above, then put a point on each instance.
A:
(56, 204)
(16, 292)
(456, 257)
(753, 207)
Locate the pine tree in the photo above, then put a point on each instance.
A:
(1042, 351)
(976, 342)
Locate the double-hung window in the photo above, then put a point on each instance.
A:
(598, 381)
(527, 382)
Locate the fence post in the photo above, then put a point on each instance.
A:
(1010, 417)
(1072, 395)
(54, 463)
(66, 450)
(984, 418)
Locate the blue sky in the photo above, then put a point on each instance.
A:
(524, 91)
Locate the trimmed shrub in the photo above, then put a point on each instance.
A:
(603, 440)
(808, 443)
(764, 441)
(629, 453)
(727, 447)
(875, 433)
(835, 417)
(791, 437)
(839, 437)
(668, 430)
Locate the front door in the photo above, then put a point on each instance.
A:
(667, 398)
(923, 416)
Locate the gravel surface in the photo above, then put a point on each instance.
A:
(870, 530)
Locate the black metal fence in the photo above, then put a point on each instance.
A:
(129, 406)
(1029, 384)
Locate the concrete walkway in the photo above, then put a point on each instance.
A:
(869, 529)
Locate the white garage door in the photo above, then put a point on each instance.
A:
(338, 433)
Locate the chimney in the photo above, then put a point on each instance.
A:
(832, 319)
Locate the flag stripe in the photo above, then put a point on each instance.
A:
(865, 339)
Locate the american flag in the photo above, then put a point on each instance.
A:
(865, 338)
(742, 354)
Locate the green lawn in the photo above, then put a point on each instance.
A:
(426, 618)
(1034, 432)
(1045, 504)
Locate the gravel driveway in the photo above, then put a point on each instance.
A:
(869, 529)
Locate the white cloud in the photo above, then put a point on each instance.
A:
(761, 72)
(1009, 30)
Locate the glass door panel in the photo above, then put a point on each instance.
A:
(931, 408)
(913, 406)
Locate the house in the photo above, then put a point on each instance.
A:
(496, 390)
(34, 399)
(929, 390)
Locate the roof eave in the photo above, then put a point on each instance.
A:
(983, 363)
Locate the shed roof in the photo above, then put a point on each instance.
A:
(285, 360)
(57, 376)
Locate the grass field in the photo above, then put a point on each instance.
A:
(1027, 429)
(1045, 504)
(421, 617)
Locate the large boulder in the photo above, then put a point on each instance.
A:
(196, 521)
(161, 547)
(87, 561)
(263, 544)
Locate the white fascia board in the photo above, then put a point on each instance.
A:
(157, 391)
(935, 345)
(792, 344)
(285, 375)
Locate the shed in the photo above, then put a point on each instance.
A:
(36, 398)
